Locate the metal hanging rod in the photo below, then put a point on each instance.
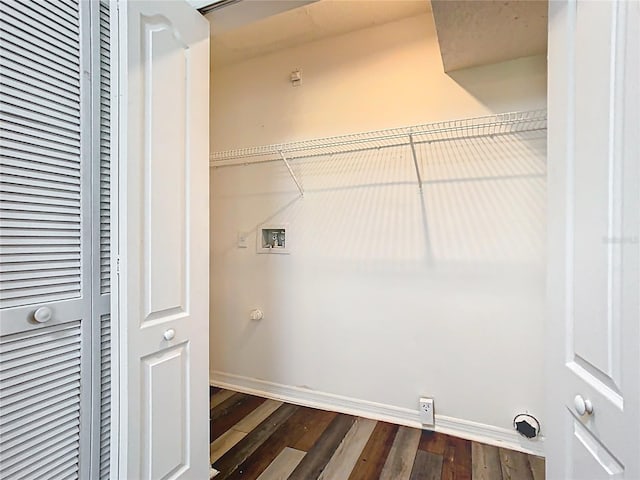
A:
(500, 124)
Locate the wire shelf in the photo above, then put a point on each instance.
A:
(500, 124)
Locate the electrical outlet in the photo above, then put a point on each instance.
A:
(426, 411)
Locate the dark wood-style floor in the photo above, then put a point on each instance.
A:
(254, 438)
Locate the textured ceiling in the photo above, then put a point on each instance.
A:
(472, 33)
(325, 18)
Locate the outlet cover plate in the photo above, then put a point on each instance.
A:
(426, 411)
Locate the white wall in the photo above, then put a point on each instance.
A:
(387, 294)
(374, 78)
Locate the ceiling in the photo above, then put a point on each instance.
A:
(472, 33)
(237, 35)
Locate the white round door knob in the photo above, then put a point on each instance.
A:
(169, 334)
(256, 314)
(582, 406)
(42, 315)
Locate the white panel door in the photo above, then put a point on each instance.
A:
(593, 370)
(163, 241)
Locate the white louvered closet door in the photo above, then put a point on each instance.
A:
(46, 239)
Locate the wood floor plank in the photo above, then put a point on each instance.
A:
(316, 424)
(432, 442)
(256, 417)
(219, 397)
(456, 460)
(346, 455)
(224, 443)
(402, 455)
(233, 415)
(485, 462)
(537, 467)
(283, 465)
(223, 407)
(427, 466)
(228, 463)
(319, 455)
(374, 455)
(515, 465)
(292, 430)
(267, 439)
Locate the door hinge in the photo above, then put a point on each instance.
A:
(117, 265)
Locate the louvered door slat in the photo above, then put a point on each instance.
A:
(33, 461)
(60, 212)
(65, 465)
(17, 127)
(105, 395)
(103, 252)
(56, 418)
(19, 62)
(36, 268)
(32, 399)
(41, 168)
(12, 216)
(29, 105)
(12, 90)
(52, 292)
(21, 340)
(20, 357)
(60, 368)
(16, 184)
(60, 7)
(41, 415)
(31, 367)
(14, 409)
(42, 121)
(13, 200)
(63, 26)
(104, 148)
(33, 79)
(15, 454)
(29, 240)
(39, 388)
(56, 229)
(56, 375)
(58, 66)
(42, 101)
(18, 260)
(38, 160)
(38, 274)
(41, 42)
(18, 224)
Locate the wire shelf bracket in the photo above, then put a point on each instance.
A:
(293, 175)
(415, 161)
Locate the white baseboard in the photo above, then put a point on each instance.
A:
(479, 432)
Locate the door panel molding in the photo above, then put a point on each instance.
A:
(594, 254)
(163, 241)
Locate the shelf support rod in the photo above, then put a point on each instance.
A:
(415, 161)
(293, 175)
